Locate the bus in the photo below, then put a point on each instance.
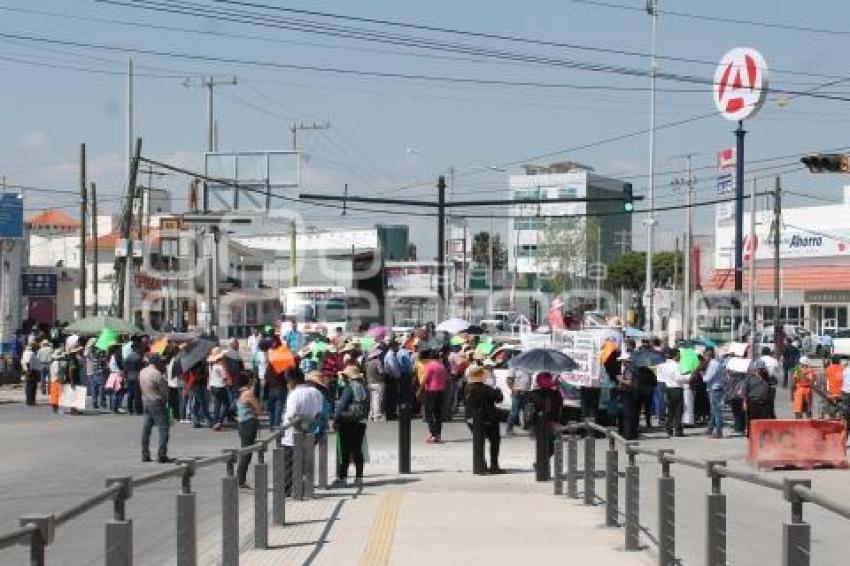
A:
(315, 308)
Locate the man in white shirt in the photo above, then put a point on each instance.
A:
(771, 364)
(671, 376)
(303, 405)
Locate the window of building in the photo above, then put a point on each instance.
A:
(526, 251)
(527, 194)
(529, 223)
(567, 192)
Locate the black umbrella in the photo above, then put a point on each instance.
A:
(647, 357)
(475, 329)
(543, 359)
(195, 352)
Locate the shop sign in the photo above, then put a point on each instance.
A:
(827, 297)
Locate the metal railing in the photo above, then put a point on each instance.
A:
(796, 533)
(38, 530)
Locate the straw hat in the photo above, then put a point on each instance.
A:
(349, 347)
(215, 355)
(315, 377)
(479, 356)
(479, 375)
(351, 372)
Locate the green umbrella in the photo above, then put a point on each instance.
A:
(94, 325)
(107, 338)
(318, 347)
(485, 348)
(457, 341)
(688, 360)
(366, 343)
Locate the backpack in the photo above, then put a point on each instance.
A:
(357, 409)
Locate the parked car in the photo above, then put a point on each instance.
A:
(841, 343)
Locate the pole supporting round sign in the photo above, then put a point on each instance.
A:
(740, 83)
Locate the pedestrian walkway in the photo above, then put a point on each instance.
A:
(443, 518)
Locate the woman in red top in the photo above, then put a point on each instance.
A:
(434, 384)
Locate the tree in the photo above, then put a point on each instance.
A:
(481, 250)
(564, 249)
(629, 270)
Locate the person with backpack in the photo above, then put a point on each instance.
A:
(757, 394)
(352, 409)
(316, 380)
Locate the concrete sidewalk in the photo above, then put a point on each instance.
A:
(444, 518)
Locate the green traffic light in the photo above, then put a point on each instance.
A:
(628, 207)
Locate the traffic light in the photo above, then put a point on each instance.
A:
(827, 162)
(628, 199)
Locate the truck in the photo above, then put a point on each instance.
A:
(315, 308)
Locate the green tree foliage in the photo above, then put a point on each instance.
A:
(481, 250)
(629, 270)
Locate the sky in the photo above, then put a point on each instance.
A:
(392, 136)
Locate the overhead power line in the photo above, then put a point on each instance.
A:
(721, 19)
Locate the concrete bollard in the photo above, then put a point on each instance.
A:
(187, 521)
(307, 475)
(278, 486)
(559, 464)
(612, 484)
(261, 501)
(666, 512)
(589, 468)
(119, 531)
(632, 530)
(797, 534)
(297, 477)
(40, 539)
(230, 514)
(323, 461)
(572, 466)
(715, 521)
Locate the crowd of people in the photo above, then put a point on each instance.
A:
(344, 382)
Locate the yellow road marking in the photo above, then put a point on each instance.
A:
(379, 546)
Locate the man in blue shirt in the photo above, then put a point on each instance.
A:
(293, 337)
(713, 378)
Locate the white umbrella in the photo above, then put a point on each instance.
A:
(453, 326)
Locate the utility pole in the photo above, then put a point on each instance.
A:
(652, 10)
(83, 207)
(778, 329)
(688, 245)
(306, 126)
(95, 254)
(490, 276)
(598, 263)
(441, 245)
(127, 234)
(293, 250)
(752, 294)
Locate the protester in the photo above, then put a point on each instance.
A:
(176, 403)
(392, 379)
(713, 378)
(248, 411)
(547, 404)
(303, 407)
(375, 380)
(196, 382)
(434, 383)
(95, 374)
(275, 396)
(115, 382)
(483, 419)
(757, 394)
(44, 355)
(30, 373)
(352, 410)
(628, 383)
(519, 381)
(153, 387)
(293, 337)
(219, 379)
(132, 370)
(733, 392)
(790, 359)
(834, 380)
(58, 377)
(801, 389)
(671, 376)
(234, 372)
(316, 380)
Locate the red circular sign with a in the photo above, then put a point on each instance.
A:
(740, 83)
(750, 245)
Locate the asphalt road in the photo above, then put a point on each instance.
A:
(51, 462)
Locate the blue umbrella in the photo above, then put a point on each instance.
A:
(543, 359)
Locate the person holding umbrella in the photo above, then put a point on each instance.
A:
(546, 400)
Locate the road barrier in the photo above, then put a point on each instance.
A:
(802, 443)
(796, 533)
(37, 531)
